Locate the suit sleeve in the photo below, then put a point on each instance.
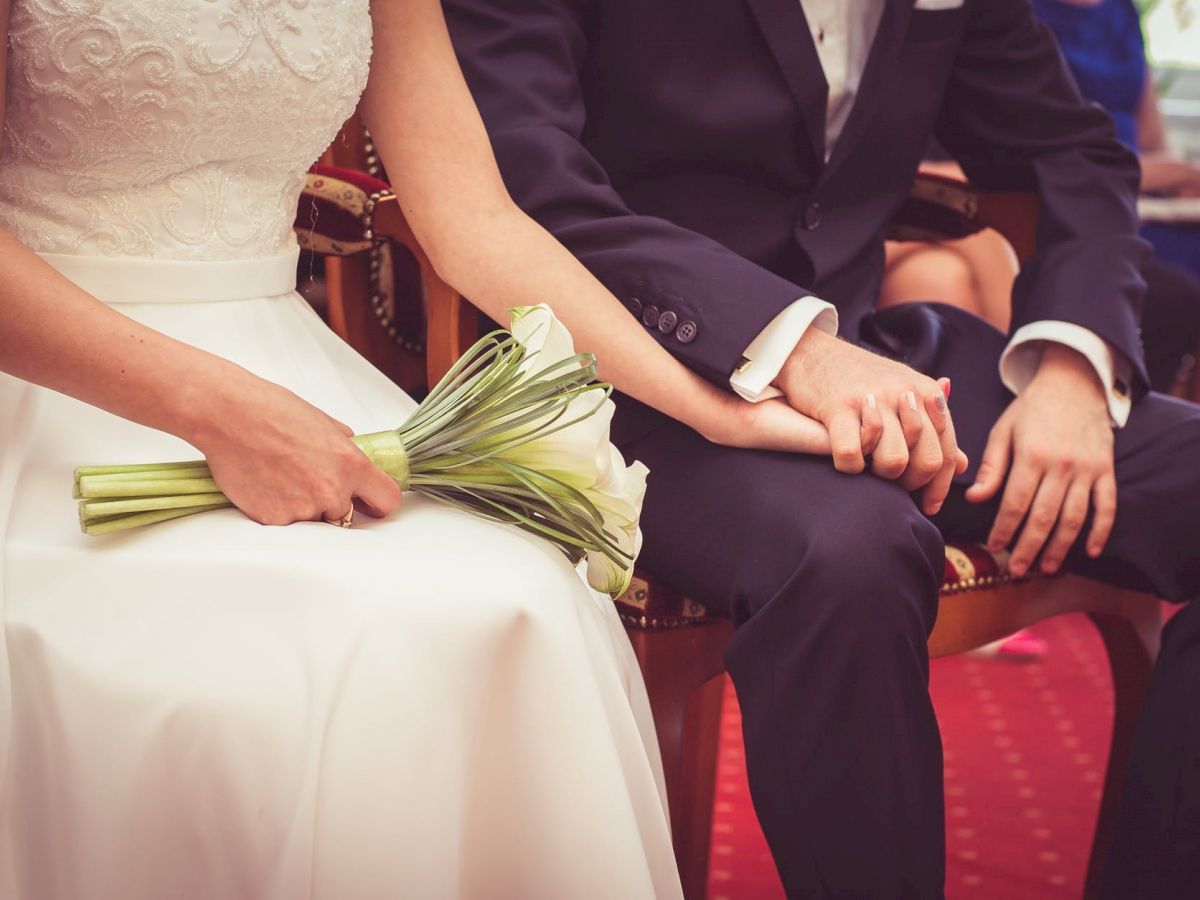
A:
(522, 60)
(1014, 119)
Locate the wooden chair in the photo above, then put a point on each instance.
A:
(679, 644)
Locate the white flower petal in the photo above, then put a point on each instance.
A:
(578, 454)
(545, 339)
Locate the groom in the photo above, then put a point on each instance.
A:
(727, 167)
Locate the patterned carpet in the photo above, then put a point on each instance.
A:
(1025, 746)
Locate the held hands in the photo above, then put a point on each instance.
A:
(281, 460)
(874, 407)
(1059, 442)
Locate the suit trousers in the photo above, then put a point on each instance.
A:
(832, 582)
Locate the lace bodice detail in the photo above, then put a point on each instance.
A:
(177, 129)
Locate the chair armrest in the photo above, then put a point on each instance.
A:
(344, 212)
(451, 323)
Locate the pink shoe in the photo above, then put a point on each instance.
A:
(1023, 646)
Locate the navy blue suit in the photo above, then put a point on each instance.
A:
(677, 147)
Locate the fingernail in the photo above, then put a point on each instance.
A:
(1049, 566)
(1016, 567)
(911, 399)
(946, 388)
(937, 508)
(940, 402)
(871, 403)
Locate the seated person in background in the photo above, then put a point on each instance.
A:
(1102, 43)
(976, 273)
(728, 169)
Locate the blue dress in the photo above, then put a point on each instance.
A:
(1103, 46)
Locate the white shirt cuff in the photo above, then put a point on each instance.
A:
(764, 358)
(1023, 355)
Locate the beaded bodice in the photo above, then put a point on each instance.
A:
(175, 129)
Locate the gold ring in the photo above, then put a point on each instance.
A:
(345, 521)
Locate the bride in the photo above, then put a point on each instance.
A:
(425, 705)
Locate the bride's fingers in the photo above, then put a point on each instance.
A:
(890, 458)
(341, 426)
(935, 407)
(872, 425)
(377, 491)
(845, 437)
(364, 507)
(912, 423)
(336, 513)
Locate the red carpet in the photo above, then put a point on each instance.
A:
(1025, 747)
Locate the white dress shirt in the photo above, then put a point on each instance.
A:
(843, 34)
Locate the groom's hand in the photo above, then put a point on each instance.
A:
(1059, 439)
(874, 407)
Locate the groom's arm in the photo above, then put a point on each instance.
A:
(523, 61)
(1014, 119)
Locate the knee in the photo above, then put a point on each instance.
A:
(932, 273)
(872, 564)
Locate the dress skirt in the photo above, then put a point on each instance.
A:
(428, 706)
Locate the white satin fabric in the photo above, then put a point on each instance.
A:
(428, 706)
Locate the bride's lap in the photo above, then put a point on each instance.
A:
(259, 671)
(427, 571)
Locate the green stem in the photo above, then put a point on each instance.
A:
(100, 509)
(102, 489)
(124, 523)
(137, 467)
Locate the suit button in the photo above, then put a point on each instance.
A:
(650, 315)
(635, 306)
(812, 216)
(686, 332)
(667, 322)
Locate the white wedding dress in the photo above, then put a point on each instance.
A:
(424, 707)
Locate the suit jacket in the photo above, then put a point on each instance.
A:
(677, 148)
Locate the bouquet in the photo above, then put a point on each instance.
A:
(516, 432)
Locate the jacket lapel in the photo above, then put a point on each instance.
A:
(889, 40)
(787, 35)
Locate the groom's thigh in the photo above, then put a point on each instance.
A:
(735, 528)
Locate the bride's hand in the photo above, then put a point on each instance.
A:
(769, 425)
(281, 460)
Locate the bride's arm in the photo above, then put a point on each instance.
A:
(436, 150)
(277, 458)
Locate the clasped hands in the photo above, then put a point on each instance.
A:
(1051, 451)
